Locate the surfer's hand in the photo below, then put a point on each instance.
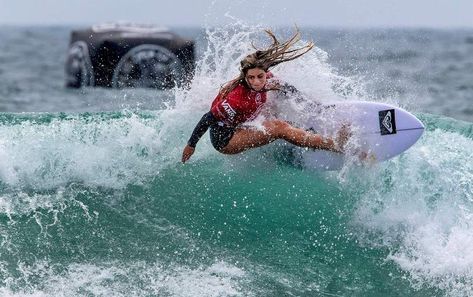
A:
(342, 137)
(187, 153)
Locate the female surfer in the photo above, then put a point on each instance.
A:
(240, 101)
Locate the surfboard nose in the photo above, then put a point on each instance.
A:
(417, 121)
(417, 125)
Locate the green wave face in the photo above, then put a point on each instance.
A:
(98, 203)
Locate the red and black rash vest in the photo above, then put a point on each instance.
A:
(241, 104)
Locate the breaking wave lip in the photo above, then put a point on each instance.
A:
(48, 155)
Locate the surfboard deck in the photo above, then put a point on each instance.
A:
(379, 132)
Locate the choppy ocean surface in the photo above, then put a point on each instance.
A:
(94, 200)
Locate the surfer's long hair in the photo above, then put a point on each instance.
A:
(265, 59)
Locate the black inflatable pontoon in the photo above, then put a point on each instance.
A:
(128, 55)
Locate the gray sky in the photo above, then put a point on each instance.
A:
(326, 13)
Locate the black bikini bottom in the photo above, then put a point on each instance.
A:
(220, 136)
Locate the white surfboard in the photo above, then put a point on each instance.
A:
(380, 132)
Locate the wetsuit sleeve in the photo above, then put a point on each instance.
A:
(205, 122)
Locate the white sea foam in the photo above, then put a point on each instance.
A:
(420, 206)
(126, 279)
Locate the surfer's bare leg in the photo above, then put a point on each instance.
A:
(283, 130)
(244, 139)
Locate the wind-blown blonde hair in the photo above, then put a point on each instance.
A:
(265, 59)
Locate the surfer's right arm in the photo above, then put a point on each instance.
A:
(202, 126)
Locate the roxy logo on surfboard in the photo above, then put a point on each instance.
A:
(387, 122)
